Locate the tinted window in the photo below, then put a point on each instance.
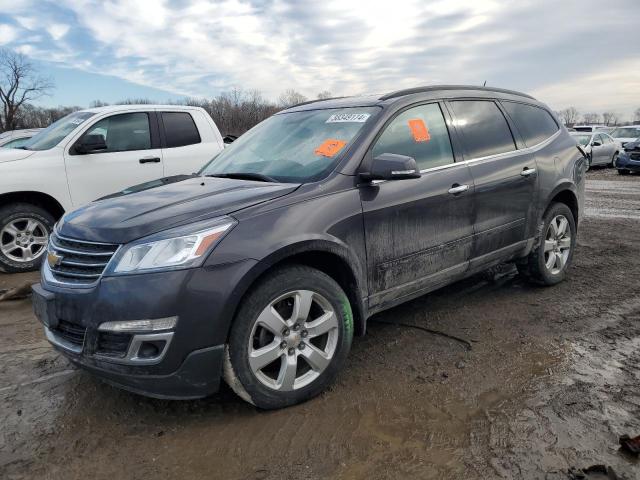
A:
(179, 129)
(535, 124)
(122, 133)
(484, 128)
(419, 132)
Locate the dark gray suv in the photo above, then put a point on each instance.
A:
(262, 267)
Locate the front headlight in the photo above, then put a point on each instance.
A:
(172, 250)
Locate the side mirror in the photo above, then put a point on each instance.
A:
(596, 144)
(91, 144)
(389, 166)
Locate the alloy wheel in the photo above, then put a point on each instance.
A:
(293, 340)
(557, 244)
(24, 239)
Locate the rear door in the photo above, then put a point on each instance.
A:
(188, 141)
(132, 156)
(418, 232)
(504, 178)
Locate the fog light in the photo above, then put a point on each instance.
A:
(154, 325)
(151, 349)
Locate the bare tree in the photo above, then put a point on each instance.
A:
(610, 118)
(636, 115)
(290, 97)
(324, 95)
(569, 116)
(19, 84)
(591, 117)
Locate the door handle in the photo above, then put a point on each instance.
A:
(528, 171)
(456, 189)
(150, 160)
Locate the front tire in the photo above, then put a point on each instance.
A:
(290, 338)
(24, 233)
(613, 160)
(547, 264)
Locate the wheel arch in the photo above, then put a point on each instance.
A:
(567, 195)
(43, 200)
(330, 258)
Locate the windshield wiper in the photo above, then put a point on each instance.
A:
(244, 176)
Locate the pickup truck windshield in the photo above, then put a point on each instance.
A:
(54, 133)
(292, 147)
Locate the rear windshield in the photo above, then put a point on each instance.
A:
(55, 133)
(293, 147)
(626, 132)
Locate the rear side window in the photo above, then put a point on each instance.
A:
(483, 126)
(179, 129)
(419, 132)
(534, 123)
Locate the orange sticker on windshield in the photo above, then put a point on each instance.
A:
(329, 147)
(419, 130)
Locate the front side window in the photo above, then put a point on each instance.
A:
(484, 128)
(534, 123)
(57, 131)
(295, 147)
(421, 133)
(179, 129)
(123, 133)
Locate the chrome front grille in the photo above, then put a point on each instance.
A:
(78, 261)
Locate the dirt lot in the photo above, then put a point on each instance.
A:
(552, 380)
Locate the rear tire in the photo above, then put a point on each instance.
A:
(613, 160)
(24, 233)
(548, 262)
(290, 338)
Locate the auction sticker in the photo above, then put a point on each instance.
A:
(348, 118)
(330, 147)
(419, 130)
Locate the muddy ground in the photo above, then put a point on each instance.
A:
(552, 380)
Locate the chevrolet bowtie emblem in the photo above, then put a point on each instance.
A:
(54, 259)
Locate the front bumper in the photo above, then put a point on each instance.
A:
(190, 356)
(626, 161)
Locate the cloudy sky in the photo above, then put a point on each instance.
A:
(566, 52)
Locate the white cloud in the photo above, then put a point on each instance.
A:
(58, 30)
(200, 47)
(7, 34)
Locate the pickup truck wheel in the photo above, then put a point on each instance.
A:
(24, 233)
(547, 264)
(290, 338)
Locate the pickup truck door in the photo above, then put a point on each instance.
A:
(189, 140)
(132, 156)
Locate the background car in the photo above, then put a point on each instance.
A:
(16, 138)
(600, 148)
(623, 135)
(87, 155)
(629, 159)
(591, 128)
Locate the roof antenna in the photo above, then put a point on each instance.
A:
(484, 84)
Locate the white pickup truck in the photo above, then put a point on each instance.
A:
(87, 155)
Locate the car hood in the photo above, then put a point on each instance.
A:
(129, 217)
(13, 154)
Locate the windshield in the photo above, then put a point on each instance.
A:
(54, 133)
(582, 139)
(293, 147)
(626, 132)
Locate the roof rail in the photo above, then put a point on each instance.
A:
(409, 91)
(313, 101)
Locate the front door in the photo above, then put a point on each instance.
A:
(418, 232)
(130, 158)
